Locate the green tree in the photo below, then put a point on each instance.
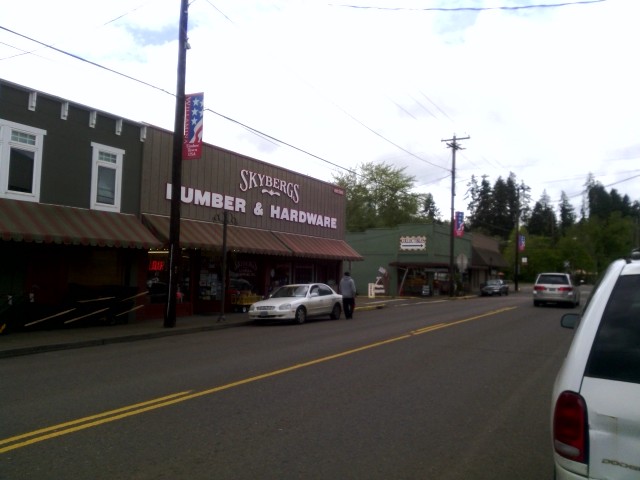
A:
(480, 205)
(379, 195)
(503, 208)
(495, 210)
(428, 209)
(567, 214)
(543, 218)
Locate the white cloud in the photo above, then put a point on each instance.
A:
(549, 94)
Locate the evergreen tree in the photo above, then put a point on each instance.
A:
(480, 205)
(543, 218)
(429, 211)
(567, 214)
(505, 207)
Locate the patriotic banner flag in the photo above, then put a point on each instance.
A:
(521, 243)
(458, 230)
(193, 123)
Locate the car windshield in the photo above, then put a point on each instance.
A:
(291, 291)
(493, 282)
(553, 279)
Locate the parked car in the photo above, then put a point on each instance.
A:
(494, 287)
(298, 302)
(555, 288)
(595, 416)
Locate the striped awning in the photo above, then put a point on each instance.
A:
(22, 221)
(317, 247)
(208, 236)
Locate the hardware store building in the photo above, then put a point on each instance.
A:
(84, 218)
(282, 227)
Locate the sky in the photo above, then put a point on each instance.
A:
(547, 93)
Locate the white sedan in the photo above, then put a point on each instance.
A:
(298, 302)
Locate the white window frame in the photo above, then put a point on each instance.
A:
(6, 144)
(117, 166)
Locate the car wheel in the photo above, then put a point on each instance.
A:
(301, 315)
(536, 303)
(336, 312)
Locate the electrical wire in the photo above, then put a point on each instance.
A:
(470, 9)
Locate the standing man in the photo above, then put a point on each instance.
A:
(348, 291)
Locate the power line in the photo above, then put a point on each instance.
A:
(469, 9)
(258, 132)
(77, 57)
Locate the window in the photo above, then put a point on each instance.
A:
(615, 354)
(20, 161)
(106, 177)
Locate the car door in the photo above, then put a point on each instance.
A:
(314, 301)
(326, 296)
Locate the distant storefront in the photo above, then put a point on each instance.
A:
(414, 259)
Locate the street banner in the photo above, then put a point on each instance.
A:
(458, 231)
(193, 124)
(521, 243)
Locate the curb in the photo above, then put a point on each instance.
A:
(16, 352)
(120, 339)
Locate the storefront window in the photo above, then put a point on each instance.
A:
(243, 275)
(304, 274)
(210, 278)
(280, 275)
(158, 278)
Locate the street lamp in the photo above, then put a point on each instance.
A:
(224, 218)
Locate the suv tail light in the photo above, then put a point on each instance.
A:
(565, 289)
(539, 288)
(570, 430)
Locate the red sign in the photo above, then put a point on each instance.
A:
(156, 265)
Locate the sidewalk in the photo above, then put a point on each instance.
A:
(26, 343)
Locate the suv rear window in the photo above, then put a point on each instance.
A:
(615, 354)
(553, 279)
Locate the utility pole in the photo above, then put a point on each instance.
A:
(452, 143)
(516, 265)
(175, 256)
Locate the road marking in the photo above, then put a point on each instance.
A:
(430, 328)
(58, 430)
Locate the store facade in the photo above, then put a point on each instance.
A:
(84, 219)
(275, 226)
(414, 260)
(70, 228)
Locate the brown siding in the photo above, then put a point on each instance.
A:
(220, 171)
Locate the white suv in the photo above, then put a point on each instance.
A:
(555, 288)
(595, 414)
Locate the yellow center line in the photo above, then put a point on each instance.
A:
(72, 426)
(43, 434)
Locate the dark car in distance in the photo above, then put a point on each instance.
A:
(494, 287)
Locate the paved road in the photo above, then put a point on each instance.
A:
(447, 390)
